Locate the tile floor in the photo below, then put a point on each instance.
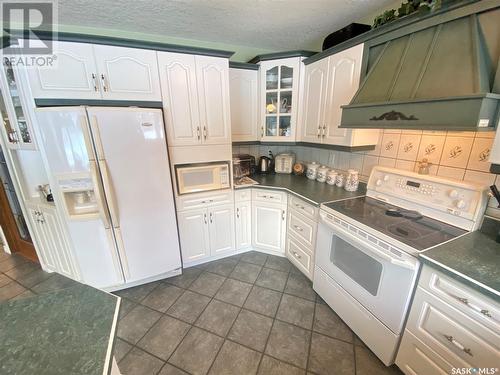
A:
(246, 314)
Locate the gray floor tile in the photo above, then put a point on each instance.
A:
(189, 275)
(164, 336)
(278, 263)
(137, 293)
(168, 369)
(218, 317)
(329, 323)
(263, 301)
(300, 286)
(25, 294)
(162, 297)
(126, 306)
(188, 306)
(33, 278)
(121, 349)
(197, 351)
(254, 257)
(235, 359)
(289, 343)
(55, 282)
(329, 355)
(358, 341)
(22, 270)
(207, 284)
(251, 329)
(296, 311)
(234, 291)
(136, 323)
(222, 267)
(272, 279)
(138, 362)
(271, 366)
(367, 363)
(11, 290)
(246, 272)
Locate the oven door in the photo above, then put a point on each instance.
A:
(377, 278)
(199, 177)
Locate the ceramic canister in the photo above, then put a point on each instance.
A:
(352, 180)
(312, 170)
(339, 180)
(331, 175)
(321, 174)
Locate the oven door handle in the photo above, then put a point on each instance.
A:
(348, 237)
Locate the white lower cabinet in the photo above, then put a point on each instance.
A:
(269, 226)
(206, 232)
(243, 225)
(53, 247)
(450, 326)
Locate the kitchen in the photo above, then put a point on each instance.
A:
(271, 211)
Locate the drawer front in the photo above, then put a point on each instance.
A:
(304, 208)
(416, 358)
(303, 228)
(457, 338)
(203, 200)
(479, 307)
(299, 257)
(273, 196)
(241, 195)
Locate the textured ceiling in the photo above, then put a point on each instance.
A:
(270, 24)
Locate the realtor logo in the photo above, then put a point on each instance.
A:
(23, 23)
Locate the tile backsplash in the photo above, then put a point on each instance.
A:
(457, 155)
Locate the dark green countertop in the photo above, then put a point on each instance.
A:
(473, 259)
(313, 191)
(70, 331)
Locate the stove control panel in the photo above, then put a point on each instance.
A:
(432, 193)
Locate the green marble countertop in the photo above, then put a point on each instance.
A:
(473, 259)
(70, 331)
(310, 190)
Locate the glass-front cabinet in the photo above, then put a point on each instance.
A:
(279, 82)
(16, 122)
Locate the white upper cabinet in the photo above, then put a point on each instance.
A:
(279, 89)
(243, 85)
(127, 73)
(195, 91)
(329, 84)
(87, 71)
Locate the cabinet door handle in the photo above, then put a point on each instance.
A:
(458, 345)
(205, 218)
(211, 218)
(103, 80)
(238, 213)
(478, 309)
(262, 132)
(324, 131)
(296, 255)
(198, 132)
(300, 206)
(298, 228)
(94, 79)
(319, 131)
(205, 132)
(283, 215)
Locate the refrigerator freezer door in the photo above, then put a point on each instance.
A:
(65, 146)
(138, 183)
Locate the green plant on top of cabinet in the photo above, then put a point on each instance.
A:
(243, 86)
(330, 83)
(16, 121)
(279, 86)
(88, 71)
(195, 91)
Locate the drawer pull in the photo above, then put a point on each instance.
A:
(300, 206)
(296, 255)
(298, 228)
(238, 213)
(283, 215)
(465, 301)
(458, 345)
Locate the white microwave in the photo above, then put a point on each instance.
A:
(198, 177)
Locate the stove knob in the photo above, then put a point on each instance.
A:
(386, 177)
(460, 204)
(378, 182)
(453, 194)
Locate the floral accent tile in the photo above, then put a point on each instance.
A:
(449, 172)
(408, 146)
(387, 162)
(456, 152)
(390, 145)
(431, 148)
(480, 154)
(481, 178)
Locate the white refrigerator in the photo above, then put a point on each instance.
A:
(109, 172)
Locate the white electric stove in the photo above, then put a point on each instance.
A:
(367, 247)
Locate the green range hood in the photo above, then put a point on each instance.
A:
(440, 78)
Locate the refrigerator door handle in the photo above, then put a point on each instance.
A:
(121, 253)
(99, 194)
(86, 138)
(110, 194)
(97, 137)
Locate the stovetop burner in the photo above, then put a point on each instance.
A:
(406, 226)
